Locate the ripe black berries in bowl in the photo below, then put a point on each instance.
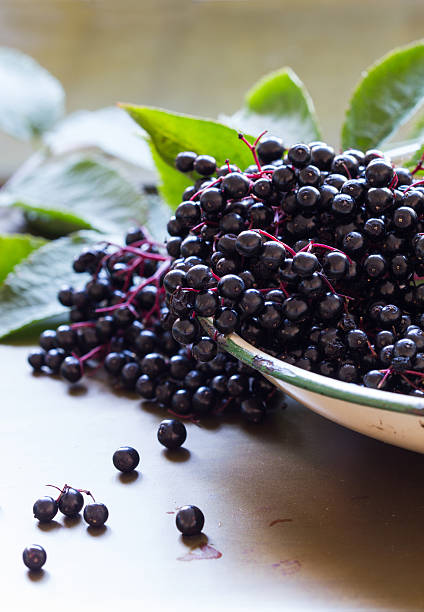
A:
(313, 257)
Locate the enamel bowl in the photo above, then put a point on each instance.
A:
(391, 417)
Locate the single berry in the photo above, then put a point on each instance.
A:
(189, 520)
(34, 557)
(45, 509)
(96, 514)
(126, 459)
(71, 502)
(172, 433)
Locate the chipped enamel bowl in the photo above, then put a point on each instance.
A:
(391, 417)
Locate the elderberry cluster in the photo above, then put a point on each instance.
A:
(119, 321)
(314, 257)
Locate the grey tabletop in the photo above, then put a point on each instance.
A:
(300, 513)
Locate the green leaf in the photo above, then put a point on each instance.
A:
(172, 183)
(415, 159)
(280, 104)
(31, 99)
(13, 249)
(68, 194)
(391, 90)
(108, 129)
(172, 133)
(29, 293)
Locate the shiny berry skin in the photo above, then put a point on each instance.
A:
(375, 265)
(231, 286)
(204, 349)
(172, 433)
(305, 264)
(134, 234)
(203, 400)
(309, 175)
(335, 265)
(357, 340)
(308, 197)
(48, 339)
(322, 156)
(185, 160)
(284, 178)
(36, 359)
(269, 149)
(235, 185)
(145, 387)
(96, 514)
(45, 509)
(251, 302)
(114, 362)
(405, 219)
(374, 379)
(34, 557)
(211, 201)
(226, 320)
(71, 502)
(71, 369)
(188, 214)
(299, 155)
(205, 165)
(190, 520)
(65, 296)
(262, 188)
(174, 279)
(185, 331)
(206, 304)
(379, 173)
(248, 244)
(405, 348)
(54, 358)
(199, 277)
(181, 402)
(126, 459)
(343, 205)
(374, 229)
(330, 306)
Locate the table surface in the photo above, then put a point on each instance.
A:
(306, 514)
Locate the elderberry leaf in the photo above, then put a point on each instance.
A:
(391, 90)
(68, 194)
(14, 248)
(280, 104)
(31, 99)
(29, 293)
(109, 129)
(413, 162)
(172, 183)
(172, 133)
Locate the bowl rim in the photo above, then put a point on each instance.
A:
(317, 383)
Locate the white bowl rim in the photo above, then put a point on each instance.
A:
(323, 385)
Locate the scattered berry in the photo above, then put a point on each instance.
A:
(190, 520)
(34, 557)
(172, 433)
(126, 459)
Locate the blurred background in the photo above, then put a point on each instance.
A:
(200, 56)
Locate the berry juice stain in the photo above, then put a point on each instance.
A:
(285, 520)
(205, 551)
(287, 567)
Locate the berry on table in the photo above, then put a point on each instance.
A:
(96, 514)
(34, 557)
(172, 433)
(190, 520)
(45, 509)
(126, 459)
